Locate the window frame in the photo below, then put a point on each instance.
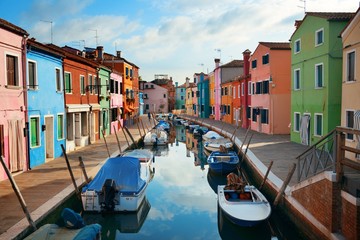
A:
(34, 85)
(316, 76)
(349, 136)
(297, 46)
(68, 90)
(316, 130)
(82, 85)
(38, 144)
(352, 51)
(297, 79)
(297, 117)
(58, 81)
(16, 70)
(317, 39)
(266, 59)
(62, 129)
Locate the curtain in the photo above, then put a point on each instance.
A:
(16, 145)
(304, 129)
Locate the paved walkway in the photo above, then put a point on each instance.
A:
(41, 186)
(267, 148)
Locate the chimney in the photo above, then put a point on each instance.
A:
(297, 23)
(187, 82)
(246, 57)
(100, 52)
(118, 54)
(176, 84)
(217, 62)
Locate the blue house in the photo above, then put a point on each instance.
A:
(203, 94)
(45, 103)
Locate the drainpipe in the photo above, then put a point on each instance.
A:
(26, 129)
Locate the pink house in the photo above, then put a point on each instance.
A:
(116, 101)
(155, 98)
(270, 66)
(13, 97)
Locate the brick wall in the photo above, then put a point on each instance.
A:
(350, 220)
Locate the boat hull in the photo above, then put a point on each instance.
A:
(241, 211)
(223, 162)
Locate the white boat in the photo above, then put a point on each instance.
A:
(215, 144)
(146, 157)
(117, 187)
(156, 137)
(247, 208)
(211, 135)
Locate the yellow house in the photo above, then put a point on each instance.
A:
(350, 103)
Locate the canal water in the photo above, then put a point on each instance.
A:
(181, 201)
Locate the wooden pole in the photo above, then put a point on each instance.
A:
(18, 194)
(266, 175)
(340, 155)
(81, 163)
(103, 133)
(131, 137)
(142, 124)
(137, 123)
(222, 126)
(285, 183)
(70, 170)
(117, 139)
(233, 135)
(242, 144)
(247, 146)
(122, 128)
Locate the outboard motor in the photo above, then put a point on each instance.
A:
(109, 191)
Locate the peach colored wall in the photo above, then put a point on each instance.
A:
(278, 99)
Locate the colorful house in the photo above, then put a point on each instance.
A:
(180, 95)
(236, 101)
(227, 102)
(155, 98)
(270, 79)
(189, 97)
(316, 69)
(104, 99)
(81, 98)
(350, 108)
(245, 88)
(203, 92)
(163, 80)
(46, 118)
(116, 101)
(13, 107)
(211, 77)
(195, 96)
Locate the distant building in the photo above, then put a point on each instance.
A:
(165, 81)
(203, 94)
(155, 98)
(180, 95)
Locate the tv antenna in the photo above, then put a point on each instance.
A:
(303, 7)
(96, 35)
(218, 50)
(51, 28)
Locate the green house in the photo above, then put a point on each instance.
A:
(316, 72)
(104, 99)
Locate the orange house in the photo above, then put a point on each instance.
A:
(270, 87)
(226, 108)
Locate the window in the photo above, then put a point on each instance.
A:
(253, 63)
(34, 132)
(96, 83)
(68, 83)
(147, 106)
(350, 123)
(91, 87)
(116, 85)
(297, 79)
(264, 114)
(248, 112)
(239, 91)
(297, 46)
(60, 126)
(58, 79)
(254, 114)
(32, 78)
(234, 92)
(131, 73)
(82, 84)
(265, 87)
(258, 87)
(127, 72)
(242, 89)
(318, 124)
(265, 59)
(12, 70)
(2, 140)
(296, 122)
(319, 76)
(319, 37)
(112, 82)
(114, 114)
(164, 95)
(350, 66)
(253, 88)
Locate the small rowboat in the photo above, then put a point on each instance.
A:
(223, 162)
(247, 208)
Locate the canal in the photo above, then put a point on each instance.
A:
(181, 202)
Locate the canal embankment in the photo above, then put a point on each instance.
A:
(47, 186)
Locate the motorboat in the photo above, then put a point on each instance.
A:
(156, 137)
(163, 125)
(146, 158)
(217, 144)
(117, 187)
(223, 162)
(211, 135)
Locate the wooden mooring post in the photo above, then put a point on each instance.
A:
(103, 133)
(285, 183)
(142, 124)
(242, 144)
(137, 123)
(131, 137)
(70, 170)
(122, 128)
(18, 194)
(117, 139)
(233, 135)
(266, 175)
(82, 165)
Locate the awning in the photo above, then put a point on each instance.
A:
(128, 109)
(77, 108)
(95, 106)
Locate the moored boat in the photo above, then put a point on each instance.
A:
(155, 137)
(211, 135)
(223, 162)
(216, 144)
(146, 157)
(117, 186)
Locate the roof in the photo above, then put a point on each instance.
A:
(111, 57)
(12, 28)
(277, 45)
(33, 43)
(233, 63)
(182, 86)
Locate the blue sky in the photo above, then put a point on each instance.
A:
(174, 37)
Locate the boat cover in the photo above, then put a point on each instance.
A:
(125, 171)
(212, 135)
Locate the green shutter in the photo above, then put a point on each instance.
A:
(34, 132)
(60, 126)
